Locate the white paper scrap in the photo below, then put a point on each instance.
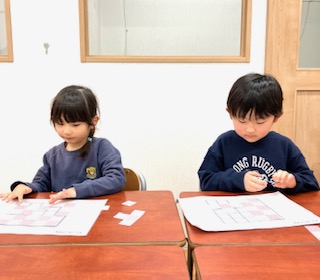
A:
(130, 219)
(121, 216)
(129, 203)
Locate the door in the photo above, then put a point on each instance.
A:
(301, 86)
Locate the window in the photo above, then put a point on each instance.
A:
(165, 30)
(309, 40)
(6, 54)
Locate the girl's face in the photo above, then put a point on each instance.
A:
(75, 134)
(252, 128)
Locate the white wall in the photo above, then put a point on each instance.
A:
(162, 117)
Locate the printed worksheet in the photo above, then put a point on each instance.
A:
(223, 213)
(37, 216)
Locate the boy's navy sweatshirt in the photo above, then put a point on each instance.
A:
(230, 157)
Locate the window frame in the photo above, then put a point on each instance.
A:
(244, 56)
(9, 56)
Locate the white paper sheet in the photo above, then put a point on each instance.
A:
(225, 213)
(37, 216)
(315, 230)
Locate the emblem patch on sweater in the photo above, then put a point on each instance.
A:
(91, 172)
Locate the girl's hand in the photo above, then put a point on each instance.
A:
(283, 179)
(253, 183)
(18, 192)
(65, 193)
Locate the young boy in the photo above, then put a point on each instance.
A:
(251, 157)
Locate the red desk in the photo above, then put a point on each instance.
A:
(257, 262)
(276, 236)
(92, 262)
(160, 225)
(310, 201)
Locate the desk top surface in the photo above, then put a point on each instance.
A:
(256, 262)
(161, 223)
(298, 234)
(93, 262)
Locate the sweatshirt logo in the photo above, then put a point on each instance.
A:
(257, 163)
(91, 172)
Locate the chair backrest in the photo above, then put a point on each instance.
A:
(135, 181)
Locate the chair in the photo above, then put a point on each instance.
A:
(135, 181)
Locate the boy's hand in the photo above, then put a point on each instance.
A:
(18, 192)
(283, 179)
(65, 193)
(253, 183)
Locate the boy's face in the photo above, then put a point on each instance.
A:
(252, 128)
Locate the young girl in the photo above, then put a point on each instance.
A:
(82, 166)
(251, 157)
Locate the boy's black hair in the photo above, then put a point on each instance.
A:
(255, 93)
(75, 104)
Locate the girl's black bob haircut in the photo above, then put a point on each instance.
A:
(74, 104)
(255, 93)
